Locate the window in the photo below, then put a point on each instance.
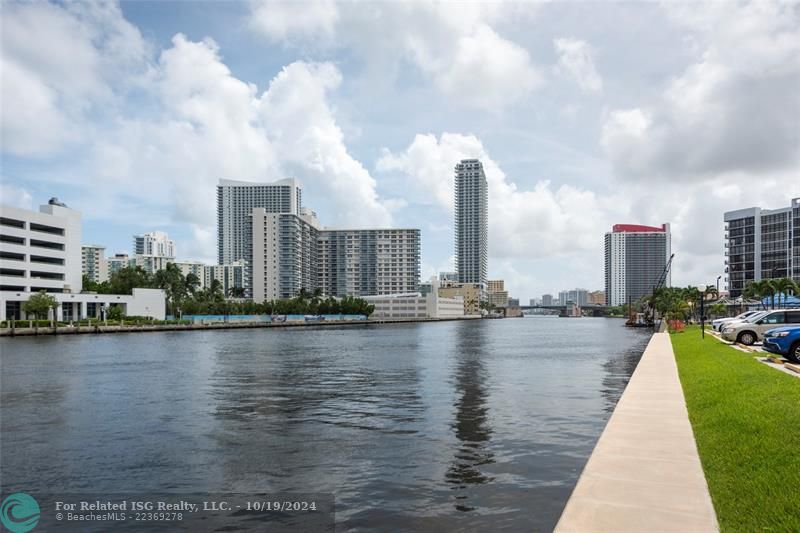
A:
(12, 222)
(47, 244)
(12, 255)
(11, 239)
(47, 260)
(46, 229)
(774, 318)
(793, 317)
(47, 275)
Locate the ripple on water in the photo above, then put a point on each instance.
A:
(450, 426)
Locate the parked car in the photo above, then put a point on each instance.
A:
(752, 318)
(784, 341)
(717, 324)
(752, 330)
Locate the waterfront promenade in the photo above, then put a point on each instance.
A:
(645, 473)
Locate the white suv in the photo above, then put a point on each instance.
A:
(751, 331)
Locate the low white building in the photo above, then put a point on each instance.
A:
(143, 302)
(41, 251)
(416, 305)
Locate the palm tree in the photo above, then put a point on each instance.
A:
(782, 287)
(769, 290)
(691, 295)
(215, 290)
(678, 310)
(712, 290)
(717, 309)
(759, 290)
(192, 283)
(236, 292)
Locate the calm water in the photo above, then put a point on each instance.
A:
(429, 427)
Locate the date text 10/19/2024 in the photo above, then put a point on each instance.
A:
(188, 507)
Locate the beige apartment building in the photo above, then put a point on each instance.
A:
(596, 298)
(496, 293)
(470, 292)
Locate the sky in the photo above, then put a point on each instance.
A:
(584, 115)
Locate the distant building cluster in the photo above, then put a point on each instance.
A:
(97, 268)
(270, 246)
(579, 297)
(286, 249)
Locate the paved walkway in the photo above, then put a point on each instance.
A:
(644, 475)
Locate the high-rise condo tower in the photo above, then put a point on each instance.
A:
(471, 221)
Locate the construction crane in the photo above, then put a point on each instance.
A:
(661, 281)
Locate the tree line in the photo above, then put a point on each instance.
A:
(681, 303)
(771, 288)
(185, 297)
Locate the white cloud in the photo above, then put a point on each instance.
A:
(735, 109)
(544, 221)
(213, 125)
(15, 197)
(191, 122)
(464, 56)
(59, 64)
(484, 70)
(302, 129)
(576, 59)
(283, 20)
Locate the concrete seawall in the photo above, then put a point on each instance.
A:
(644, 475)
(86, 330)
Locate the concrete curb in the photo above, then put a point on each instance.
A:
(645, 473)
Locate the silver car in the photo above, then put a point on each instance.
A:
(752, 330)
(719, 323)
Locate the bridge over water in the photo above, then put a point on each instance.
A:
(591, 310)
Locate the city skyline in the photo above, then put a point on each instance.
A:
(577, 128)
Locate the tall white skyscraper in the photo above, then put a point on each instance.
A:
(154, 243)
(635, 260)
(235, 203)
(471, 221)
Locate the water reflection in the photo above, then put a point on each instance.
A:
(618, 370)
(414, 427)
(471, 424)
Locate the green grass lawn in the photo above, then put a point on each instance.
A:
(746, 420)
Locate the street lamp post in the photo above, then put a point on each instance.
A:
(702, 288)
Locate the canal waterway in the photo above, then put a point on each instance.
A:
(451, 426)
